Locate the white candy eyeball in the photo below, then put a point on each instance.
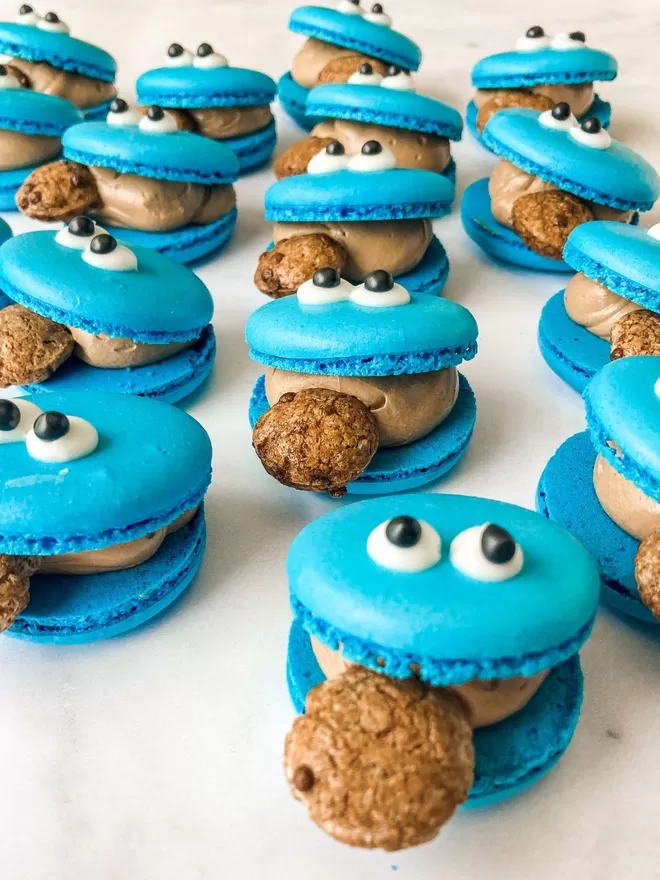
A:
(534, 39)
(405, 544)
(16, 418)
(365, 76)
(324, 287)
(105, 252)
(398, 79)
(78, 233)
(349, 7)
(177, 56)
(206, 58)
(55, 438)
(591, 134)
(380, 291)
(53, 23)
(27, 15)
(566, 42)
(372, 157)
(7, 81)
(332, 158)
(559, 118)
(654, 231)
(486, 553)
(157, 121)
(378, 16)
(122, 114)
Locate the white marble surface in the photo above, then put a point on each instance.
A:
(157, 756)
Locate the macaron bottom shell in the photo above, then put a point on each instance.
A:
(253, 150)
(293, 99)
(98, 113)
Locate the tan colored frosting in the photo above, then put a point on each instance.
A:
(394, 245)
(487, 702)
(100, 350)
(411, 149)
(406, 407)
(158, 205)
(312, 58)
(226, 122)
(18, 150)
(594, 306)
(623, 502)
(83, 91)
(580, 96)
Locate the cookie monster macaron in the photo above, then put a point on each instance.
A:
(610, 308)
(541, 72)
(356, 214)
(361, 391)
(146, 182)
(417, 129)
(553, 175)
(207, 96)
(41, 52)
(101, 514)
(92, 314)
(435, 654)
(603, 485)
(339, 41)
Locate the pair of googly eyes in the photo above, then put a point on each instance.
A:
(154, 121)
(589, 133)
(100, 250)
(376, 14)
(50, 22)
(536, 39)
(378, 291)
(372, 157)
(395, 78)
(485, 552)
(51, 437)
(204, 57)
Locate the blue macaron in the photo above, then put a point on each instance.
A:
(623, 420)
(205, 80)
(580, 160)
(97, 472)
(154, 301)
(409, 583)
(5, 233)
(620, 259)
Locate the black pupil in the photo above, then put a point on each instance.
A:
(591, 125)
(10, 415)
(25, 9)
(52, 17)
(155, 113)
(3, 70)
(204, 49)
(119, 106)
(81, 226)
(377, 8)
(579, 36)
(366, 69)
(535, 32)
(403, 531)
(497, 544)
(326, 277)
(103, 244)
(175, 50)
(371, 148)
(379, 281)
(393, 70)
(51, 426)
(561, 110)
(335, 149)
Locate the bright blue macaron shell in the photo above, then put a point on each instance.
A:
(571, 351)
(293, 99)
(57, 49)
(548, 66)
(5, 233)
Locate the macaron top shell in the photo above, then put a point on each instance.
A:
(160, 302)
(199, 87)
(616, 176)
(453, 626)
(35, 113)
(395, 194)
(176, 155)
(152, 463)
(548, 66)
(383, 106)
(57, 49)
(354, 32)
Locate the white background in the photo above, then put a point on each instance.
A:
(157, 756)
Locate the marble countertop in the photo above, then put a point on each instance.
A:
(157, 756)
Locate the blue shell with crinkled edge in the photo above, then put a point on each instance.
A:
(34, 113)
(515, 69)
(59, 50)
(191, 86)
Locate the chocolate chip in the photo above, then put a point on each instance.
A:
(303, 778)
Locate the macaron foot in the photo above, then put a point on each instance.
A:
(292, 261)
(545, 219)
(380, 762)
(296, 159)
(317, 439)
(58, 191)
(647, 572)
(15, 574)
(31, 347)
(340, 69)
(636, 333)
(511, 98)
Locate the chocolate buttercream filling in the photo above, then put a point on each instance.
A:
(580, 97)
(594, 306)
(83, 91)
(312, 58)
(623, 502)
(19, 150)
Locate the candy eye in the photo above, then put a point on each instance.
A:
(333, 158)
(325, 286)
(157, 121)
(398, 79)
(121, 113)
(177, 56)
(53, 23)
(486, 553)
(534, 39)
(78, 233)
(16, 419)
(27, 15)
(574, 40)
(377, 15)
(380, 291)
(55, 437)
(365, 76)
(405, 544)
(206, 58)
(560, 117)
(372, 157)
(105, 252)
(349, 7)
(591, 134)
(7, 81)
